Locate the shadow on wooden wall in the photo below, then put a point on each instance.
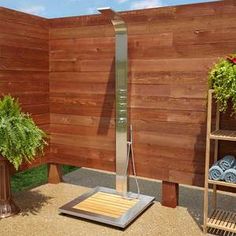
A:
(106, 114)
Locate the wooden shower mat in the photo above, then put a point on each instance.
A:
(106, 204)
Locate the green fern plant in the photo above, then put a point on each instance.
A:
(222, 78)
(20, 138)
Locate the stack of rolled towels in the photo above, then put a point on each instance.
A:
(224, 169)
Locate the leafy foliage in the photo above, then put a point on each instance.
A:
(222, 78)
(20, 138)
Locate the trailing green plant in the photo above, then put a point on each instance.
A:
(20, 138)
(222, 78)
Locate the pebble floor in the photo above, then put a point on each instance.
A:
(39, 216)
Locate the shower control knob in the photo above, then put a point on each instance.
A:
(122, 91)
(122, 113)
(122, 98)
(122, 105)
(122, 121)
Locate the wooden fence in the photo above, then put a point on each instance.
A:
(170, 52)
(24, 66)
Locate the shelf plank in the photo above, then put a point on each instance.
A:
(228, 135)
(222, 183)
(213, 231)
(224, 220)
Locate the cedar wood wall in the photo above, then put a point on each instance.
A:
(24, 64)
(170, 52)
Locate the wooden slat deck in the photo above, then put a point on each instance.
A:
(228, 135)
(106, 204)
(223, 220)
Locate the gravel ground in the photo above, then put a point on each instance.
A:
(40, 205)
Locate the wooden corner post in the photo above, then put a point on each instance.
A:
(54, 173)
(170, 194)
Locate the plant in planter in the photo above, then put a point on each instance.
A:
(222, 79)
(20, 140)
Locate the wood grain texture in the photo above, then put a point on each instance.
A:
(63, 72)
(170, 53)
(170, 194)
(106, 204)
(24, 66)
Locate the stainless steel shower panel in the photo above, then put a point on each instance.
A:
(143, 201)
(121, 64)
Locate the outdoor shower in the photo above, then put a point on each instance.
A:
(115, 207)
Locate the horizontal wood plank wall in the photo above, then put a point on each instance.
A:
(170, 52)
(24, 64)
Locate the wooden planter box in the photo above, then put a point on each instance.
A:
(7, 205)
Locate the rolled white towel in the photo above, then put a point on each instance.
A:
(227, 162)
(230, 175)
(215, 172)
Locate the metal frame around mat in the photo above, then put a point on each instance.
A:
(122, 222)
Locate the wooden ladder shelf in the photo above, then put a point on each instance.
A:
(218, 219)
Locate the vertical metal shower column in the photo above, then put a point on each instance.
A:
(121, 63)
(100, 204)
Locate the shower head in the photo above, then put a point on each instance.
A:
(108, 12)
(117, 21)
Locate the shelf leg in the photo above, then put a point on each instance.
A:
(214, 197)
(205, 213)
(207, 160)
(216, 152)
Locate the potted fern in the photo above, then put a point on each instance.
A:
(222, 79)
(20, 140)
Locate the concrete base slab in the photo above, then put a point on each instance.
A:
(40, 217)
